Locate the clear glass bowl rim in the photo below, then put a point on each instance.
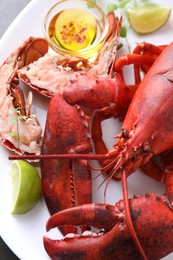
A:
(86, 50)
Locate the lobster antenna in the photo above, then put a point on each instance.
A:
(128, 216)
(107, 178)
(60, 156)
(108, 181)
(111, 174)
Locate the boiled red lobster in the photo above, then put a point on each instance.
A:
(146, 135)
(146, 132)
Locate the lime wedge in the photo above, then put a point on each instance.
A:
(26, 187)
(147, 19)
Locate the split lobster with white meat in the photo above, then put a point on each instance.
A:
(20, 130)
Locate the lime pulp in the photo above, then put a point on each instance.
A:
(149, 18)
(26, 187)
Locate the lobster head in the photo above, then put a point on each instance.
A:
(148, 124)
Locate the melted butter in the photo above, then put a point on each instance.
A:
(73, 29)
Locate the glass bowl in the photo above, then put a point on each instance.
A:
(101, 27)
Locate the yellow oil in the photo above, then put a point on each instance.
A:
(73, 29)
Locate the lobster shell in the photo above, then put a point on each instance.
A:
(66, 183)
(150, 114)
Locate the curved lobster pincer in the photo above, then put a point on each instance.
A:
(152, 219)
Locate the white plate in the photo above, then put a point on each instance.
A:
(23, 234)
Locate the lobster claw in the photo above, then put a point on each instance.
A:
(152, 220)
(98, 215)
(66, 183)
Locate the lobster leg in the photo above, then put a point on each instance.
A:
(152, 219)
(160, 168)
(143, 56)
(66, 183)
(136, 59)
(100, 92)
(146, 49)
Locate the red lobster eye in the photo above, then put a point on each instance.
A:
(146, 148)
(125, 133)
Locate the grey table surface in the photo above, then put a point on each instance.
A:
(8, 11)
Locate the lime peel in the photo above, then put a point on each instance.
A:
(149, 18)
(26, 187)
